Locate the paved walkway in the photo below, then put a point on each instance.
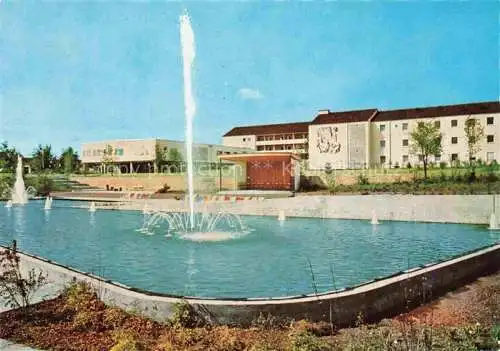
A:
(6, 345)
(49, 291)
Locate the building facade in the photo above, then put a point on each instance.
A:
(287, 137)
(376, 138)
(140, 156)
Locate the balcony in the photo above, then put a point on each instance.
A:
(282, 141)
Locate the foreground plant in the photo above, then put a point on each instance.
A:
(16, 288)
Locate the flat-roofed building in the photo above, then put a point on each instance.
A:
(141, 155)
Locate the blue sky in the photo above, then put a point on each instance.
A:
(83, 71)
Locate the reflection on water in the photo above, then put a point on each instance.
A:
(190, 287)
(92, 219)
(19, 219)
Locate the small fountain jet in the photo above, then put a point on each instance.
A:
(92, 207)
(493, 222)
(281, 216)
(374, 220)
(48, 203)
(19, 193)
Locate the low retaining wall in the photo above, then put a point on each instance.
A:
(155, 181)
(373, 300)
(470, 209)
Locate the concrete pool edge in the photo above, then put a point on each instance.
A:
(373, 300)
(463, 209)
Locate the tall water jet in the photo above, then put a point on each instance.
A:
(188, 54)
(19, 193)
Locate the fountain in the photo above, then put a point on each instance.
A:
(19, 194)
(195, 222)
(48, 203)
(493, 222)
(206, 226)
(281, 216)
(188, 54)
(374, 220)
(8, 204)
(92, 207)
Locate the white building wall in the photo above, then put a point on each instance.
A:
(246, 141)
(321, 148)
(395, 133)
(145, 150)
(123, 150)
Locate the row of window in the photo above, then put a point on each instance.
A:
(279, 137)
(454, 140)
(454, 123)
(102, 152)
(490, 156)
(280, 147)
(220, 152)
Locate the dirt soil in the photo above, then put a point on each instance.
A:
(79, 321)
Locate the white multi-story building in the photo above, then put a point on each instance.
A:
(374, 138)
(392, 133)
(287, 137)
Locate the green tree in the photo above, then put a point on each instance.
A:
(174, 155)
(474, 132)
(69, 160)
(17, 287)
(8, 158)
(43, 158)
(175, 159)
(426, 141)
(160, 156)
(107, 156)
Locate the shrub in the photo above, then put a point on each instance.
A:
(408, 165)
(268, 322)
(331, 183)
(114, 317)
(363, 179)
(163, 189)
(125, 341)
(307, 184)
(305, 341)
(6, 184)
(443, 164)
(16, 288)
(43, 184)
(328, 168)
(81, 299)
(494, 166)
(185, 316)
(442, 177)
(78, 295)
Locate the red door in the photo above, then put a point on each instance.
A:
(269, 173)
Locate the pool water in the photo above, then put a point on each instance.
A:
(298, 256)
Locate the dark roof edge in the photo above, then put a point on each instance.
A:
(265, 126)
